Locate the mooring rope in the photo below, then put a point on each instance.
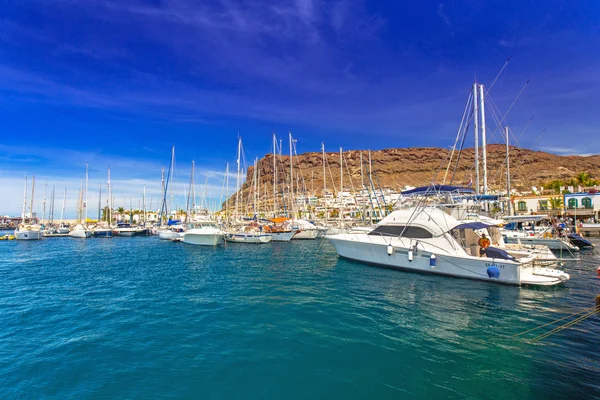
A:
(580, 316)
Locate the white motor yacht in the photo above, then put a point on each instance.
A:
(429, 240)
(124, 230)
(203, 234)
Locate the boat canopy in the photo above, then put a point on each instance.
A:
(474, 225)
(279, 220)
(437, 189)
(173, 222)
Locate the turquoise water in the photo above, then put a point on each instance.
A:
(142, 318)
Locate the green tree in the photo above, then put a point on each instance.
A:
(583, 178)
(555, 203)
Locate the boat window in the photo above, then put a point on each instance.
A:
(413, 232)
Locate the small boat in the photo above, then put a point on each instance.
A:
(171, 232)
(103, 232)
(29, 232)
(280, 231)
(241, 237)
(252, 233)
(203, 234)
(305, 230)
(143, 231)
(80, 231)
(124, 230)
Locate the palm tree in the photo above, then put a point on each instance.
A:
(121, 211)
(555, 203)
(583, 178)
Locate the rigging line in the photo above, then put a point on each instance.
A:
(462, 144)
(555, 321)
(510, 150)
(499, 73)
(515, 100)
(462, 122)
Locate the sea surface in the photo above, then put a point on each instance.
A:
(140, 318)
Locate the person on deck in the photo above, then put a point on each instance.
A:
(484, 243)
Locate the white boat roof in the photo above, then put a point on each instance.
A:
(431, 218)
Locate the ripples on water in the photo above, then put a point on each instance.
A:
(143, 318)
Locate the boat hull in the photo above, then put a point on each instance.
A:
(103, 233)
(248, 238)
(80, 234)
(308, 234)
(124, 233)
(552, 244)
(203, 239)
(283, 236)
(28, 234)
(143, 232)
(374, 252)
(169, 235)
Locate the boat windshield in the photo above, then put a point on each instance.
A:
(413, 232)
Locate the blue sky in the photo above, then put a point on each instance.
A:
(117, 83)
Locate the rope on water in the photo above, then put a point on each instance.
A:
(580, 316)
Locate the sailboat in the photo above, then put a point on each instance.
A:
(81, 231)
(174, 229)
(28, 229)
(304, 229)
(253, 232)
(63, 229)
(102, 229)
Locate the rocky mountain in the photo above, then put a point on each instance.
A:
(396, 168)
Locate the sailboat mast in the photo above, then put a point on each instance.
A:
(324, 180)
(237, 180)
(32, 192)
(86, 192)
(24, 213)
(257, 187)
(476, 127)
(44, 207)
(507, 169)
(100, 203)
(62, 211)
(362, 186)
(341, 192)
(144, 204)
(483, 139)
(109, 200)
(52, 202)
(292, 179)
(227, 191)
(274, 175)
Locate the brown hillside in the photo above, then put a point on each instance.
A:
(395, 168)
